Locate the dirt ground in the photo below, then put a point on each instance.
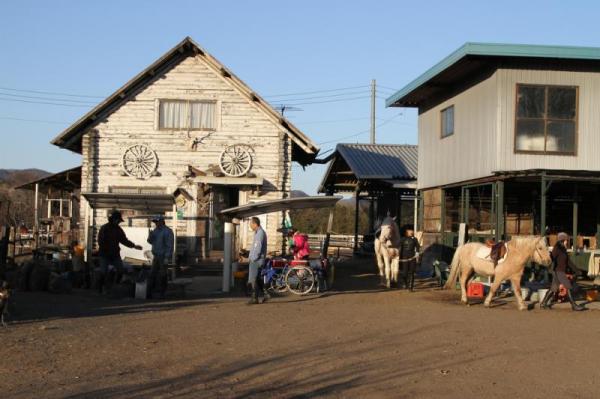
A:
(356, 342)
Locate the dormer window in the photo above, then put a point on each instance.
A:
(187, 115)
(546, 119)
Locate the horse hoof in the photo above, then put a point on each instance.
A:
(487, 304)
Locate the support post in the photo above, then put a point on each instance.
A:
(597, 201)
(325, 248)
(87, 256)
(371, 213)
(442, 214)
(36, 213)
(416, 211)
(575, 216)
(227, 258)
(543, 207)
(36, 216)
(174, 220)
(499, 210)
(356, 209)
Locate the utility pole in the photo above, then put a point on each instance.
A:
(373, 85)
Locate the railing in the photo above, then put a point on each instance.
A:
(15, 245)
(336, 241)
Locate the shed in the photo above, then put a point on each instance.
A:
(385, 175)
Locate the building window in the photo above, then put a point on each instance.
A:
(187, 115)
(546, 119)
(447, 115)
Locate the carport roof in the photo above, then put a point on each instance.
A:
(259, 208)
(373, 163)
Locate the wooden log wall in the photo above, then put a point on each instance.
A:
(239, 121)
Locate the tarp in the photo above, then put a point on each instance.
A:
(259, 208)
(137, 202)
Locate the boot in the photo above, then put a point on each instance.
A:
(546, 303)
(253, 296)
(412, 282)
(266, 295)
(576, 307)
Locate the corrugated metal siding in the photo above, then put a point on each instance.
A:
(470, 152)
(381, 161)
(588, 146)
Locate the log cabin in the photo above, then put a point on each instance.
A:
(185, 138)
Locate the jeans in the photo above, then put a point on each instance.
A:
(104, 262)
(253, 271)
(158, 275)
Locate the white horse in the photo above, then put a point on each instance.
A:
(520, 250)
(387, 252)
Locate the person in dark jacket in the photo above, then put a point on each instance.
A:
(560, 262)
(109, 251)
(409, 253)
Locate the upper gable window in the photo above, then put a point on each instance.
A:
(447, 115)
(187, 115)
(546, 119)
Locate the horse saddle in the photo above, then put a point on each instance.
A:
(494, 252)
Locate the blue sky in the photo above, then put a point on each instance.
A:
(91, 48)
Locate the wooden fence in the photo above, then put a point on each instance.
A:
(336, 242)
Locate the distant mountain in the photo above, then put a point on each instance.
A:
(15, 177)
(298, 194)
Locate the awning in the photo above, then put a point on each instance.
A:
(67, 180)
(136, 202)
(259, 208)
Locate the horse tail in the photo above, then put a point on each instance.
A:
(454, 267)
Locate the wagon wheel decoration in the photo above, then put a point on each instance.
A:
(140, 161)
(235, 160)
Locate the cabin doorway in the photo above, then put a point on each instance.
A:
(223, 197)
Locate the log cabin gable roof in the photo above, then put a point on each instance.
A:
(304, 149)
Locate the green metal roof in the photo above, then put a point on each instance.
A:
(496, 50)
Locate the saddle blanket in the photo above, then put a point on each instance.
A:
(484, 253)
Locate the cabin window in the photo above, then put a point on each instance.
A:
(447, 115)
(187, 115)
(546, 119)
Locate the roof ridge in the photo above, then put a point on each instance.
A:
(70, 135)
(499, 50)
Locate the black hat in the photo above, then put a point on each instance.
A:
(116, 216)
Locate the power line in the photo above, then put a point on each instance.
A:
(329, 121)
(315, 91)
(43, 102)
(31, 120)
(361, 132)
(353, 93)
(51, 93)
(387, 87)
(47, 98)
(329, 101)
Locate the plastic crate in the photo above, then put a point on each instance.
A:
(476, 290)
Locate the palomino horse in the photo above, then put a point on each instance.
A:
(387, 251)
(520, 251)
